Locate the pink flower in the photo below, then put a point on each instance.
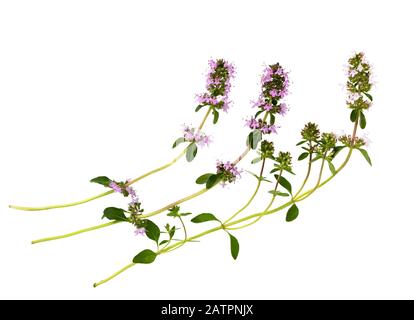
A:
(139, 231)
(114, 186)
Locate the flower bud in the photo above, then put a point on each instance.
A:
(310, 132)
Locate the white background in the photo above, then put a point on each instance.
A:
(92, 88)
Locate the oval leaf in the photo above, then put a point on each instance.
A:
(212, 181)
(362, 120)
(332, 167)
(256, 137)
(178, 141)
(146, 256)
(152, 230)
(116, 214)
(353, 115)
(292, 213)
(191, 152)
(234, 246)
(203, 179)
(215, 116)
(204, 217)
(105, 181)
(303, 156)
(199, 107)
(284, 183)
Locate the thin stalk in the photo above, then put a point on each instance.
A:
(149, 173)
(265, 210)
(100, 226)
(114, 275)
(200, 127)
(259, 182)
(307, 173)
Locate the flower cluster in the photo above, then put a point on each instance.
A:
(275, 83)
(218, 85)
(227, 171)
(266, 150)
(261, 125)
(190, 134)
(124, 188)
(134, 206)
(347, 141)
(283, 161)
(310, 132)
(327, 142)
(359, 82)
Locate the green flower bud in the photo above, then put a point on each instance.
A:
(310, 132)
(327, 142)
(267, 149)
(284, 161)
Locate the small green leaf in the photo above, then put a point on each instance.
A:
(191, 151)
(303, 156)
(368, 96)
(115, 214)
(203, 179)
(278, 193)
(258, 113)
(256, 160)
(171, 232)
(215, 116)
(254, 138)
(362, 120)
(173, 212)
(152, 230)
(366, 155)
(292, 213)
(353, 115)
(163, 242)
(284, 183)
(204, 217)
(234, 246)
(146, 256)
(331, 167)
(105, 181)
(212, 181)
(199, 107)
(301, 142)
(317, 158)
(185, 214)
(336, 150)
(178, 141)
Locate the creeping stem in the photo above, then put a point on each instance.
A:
(114, 275)
(103, 194)
(153, 213)
(100, 226)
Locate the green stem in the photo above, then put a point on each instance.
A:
(307, 173)
(149, 173)
(265, 210)
(100, 226)
(200, 127)
(253, 195)
(114, 275)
